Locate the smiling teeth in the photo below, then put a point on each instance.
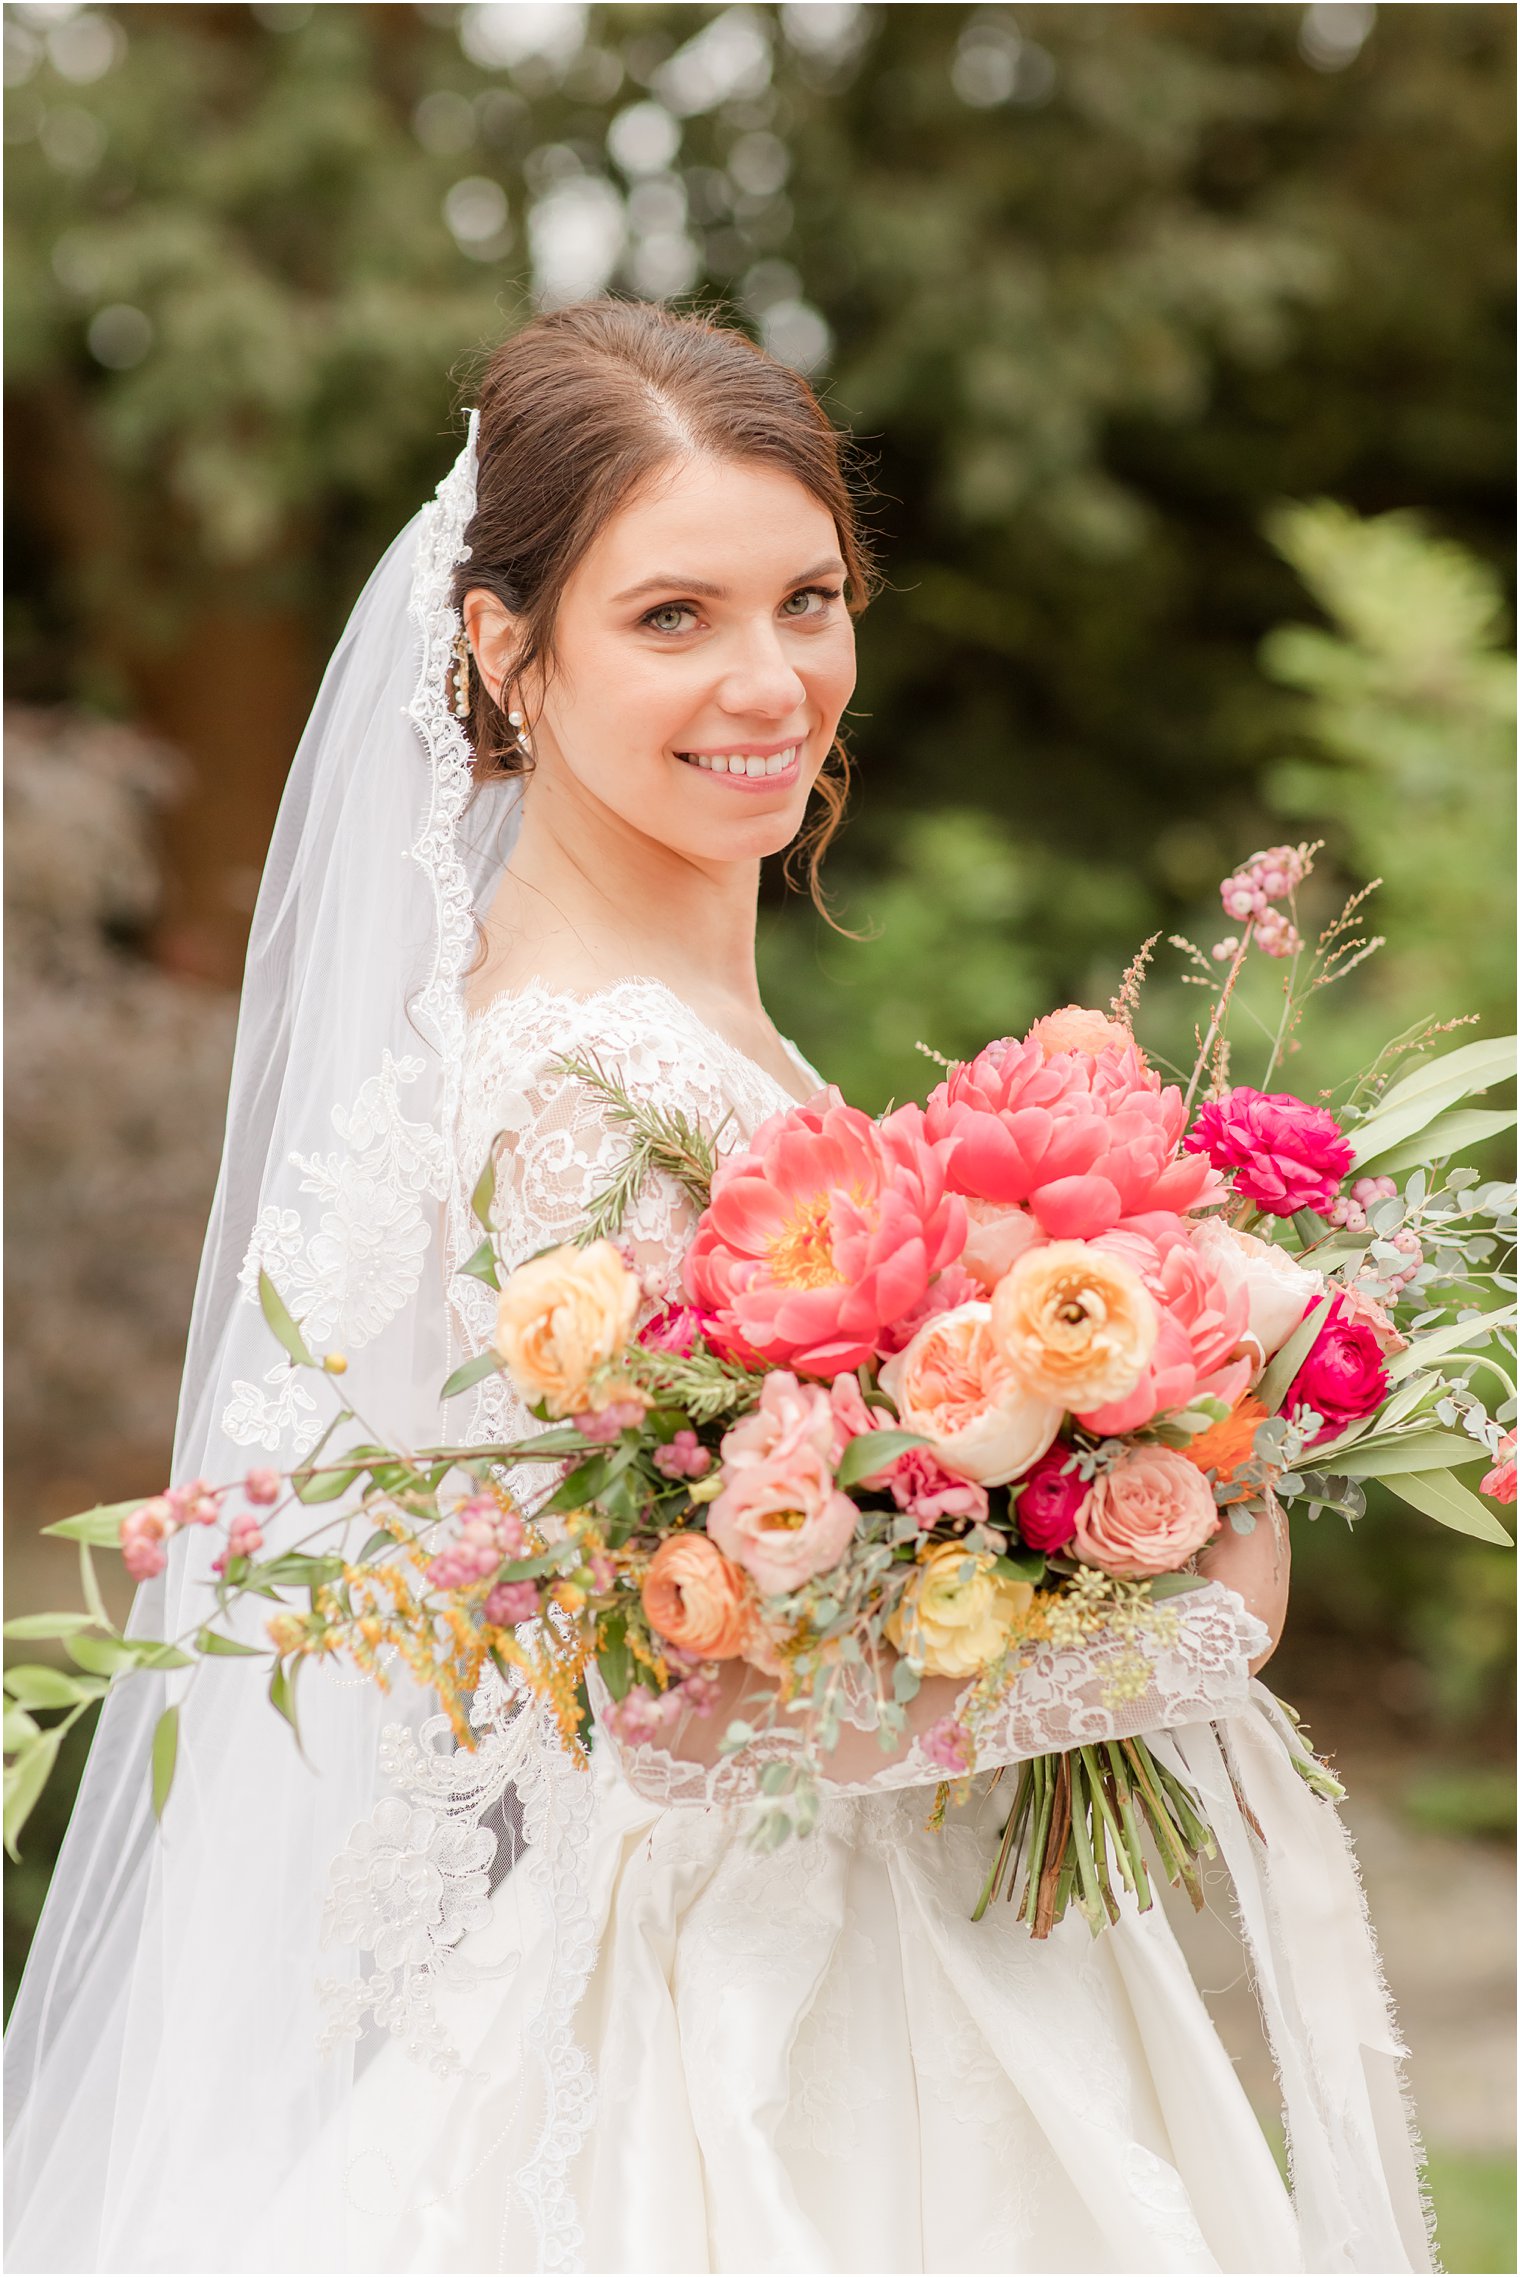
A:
(737, 763)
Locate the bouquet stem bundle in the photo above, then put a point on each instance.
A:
(1073, 1812)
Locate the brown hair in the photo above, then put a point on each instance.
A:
(580, 407)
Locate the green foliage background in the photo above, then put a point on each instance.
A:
(1177, 342)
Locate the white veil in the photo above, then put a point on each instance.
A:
(163, 2080)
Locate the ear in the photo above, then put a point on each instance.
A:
(495, 637)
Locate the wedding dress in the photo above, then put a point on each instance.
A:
(384, 2003)
(655, 2048)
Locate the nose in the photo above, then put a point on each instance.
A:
(761, 679)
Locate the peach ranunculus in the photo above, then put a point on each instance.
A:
(955, 1384)
(1075, 1028)
(958, 1613)
(563, 1316)
(825, 1231)
(779, 1513)
(1077, 1324)
(1147, 1515)
(1083, 1140)
(1200, 1349)
(697, 1599)
(1278, 1289)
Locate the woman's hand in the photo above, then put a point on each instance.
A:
(1255, 1566)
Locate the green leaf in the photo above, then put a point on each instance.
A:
(214, 1644)
(282, 1697)
(377, 1542)
(482, 1265)
(1176, 1584)
(1440, 1496)
(905, 1680)
(614, 1658)
(300, 1569)
(102, 1656)
(46, 1625)
(1273, 1387)
(1422, 1451)
(165, 1750)
(1456, 1336)
(91, 1587)
(50, 1687)
(1022, 1564)
(280, 1319)
(1408, 1106)
(101, 1526)
(873, 1451)
(485, 1192)
(1449, 1134)
(486, 1363)
(19, 1728)
(24, 1782)
(324, 1486)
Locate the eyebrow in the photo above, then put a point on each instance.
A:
(662, 582)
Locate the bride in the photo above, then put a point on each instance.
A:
(387, 2004)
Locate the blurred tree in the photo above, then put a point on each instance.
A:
(1096, 283)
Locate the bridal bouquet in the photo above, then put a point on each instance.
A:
(947, 1389)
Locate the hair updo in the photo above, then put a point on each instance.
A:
(576, 411)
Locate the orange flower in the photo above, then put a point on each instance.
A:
(1076, 1029)
(1225, 1446)
(697, 1599)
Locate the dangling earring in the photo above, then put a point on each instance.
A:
(515, 722)
(462, 676)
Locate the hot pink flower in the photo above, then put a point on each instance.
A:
(1344, 1376)
(674, 1329)
(1284, 1154)
(1204, 1315)
(1083, 1141)
(825, 1232)
(1048, 1500)
(1499, 1483)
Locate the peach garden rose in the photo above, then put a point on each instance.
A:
(956, 1386)
(563, 1316)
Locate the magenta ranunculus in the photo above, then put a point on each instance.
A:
(1344, 1376)
(1048, 1499)
(1283, 1154)
(1081, 1140)
(826, 1231)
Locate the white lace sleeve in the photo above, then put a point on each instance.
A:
(1064, 1697)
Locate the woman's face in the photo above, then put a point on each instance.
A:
(704, 655)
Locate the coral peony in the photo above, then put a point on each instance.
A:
(957, 1612)
(697, 1599)
(1077, 1029)
(1278, 1289)
(1146, 1515)
(1344, 1376)
(1083, 1141)
(561, 1318)
(956, 1385)
(1284, 1154)
(779, 1513)
(1076, 1323)
(1048, 1499)
(1201, 1323)
(826, 1231)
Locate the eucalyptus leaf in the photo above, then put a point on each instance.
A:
(165, 1753)
(905, 1682)
(282, 1321)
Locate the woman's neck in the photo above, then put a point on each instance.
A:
(586, 900)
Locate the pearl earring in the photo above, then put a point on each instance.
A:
(515, 722)
(462, 676)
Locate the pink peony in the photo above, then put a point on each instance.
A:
(828, 1230)
(1285, 1155)
(921, 1483)
(1082, 1140)
(1344, 1376)
(1145, 1516)
(1048, 1501)
(780, 1514)
(1204, 1315)
(1499, 1483)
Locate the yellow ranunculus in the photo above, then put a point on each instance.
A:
(958, 1612)
(561, 1317)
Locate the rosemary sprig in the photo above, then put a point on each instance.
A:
(661, 1139)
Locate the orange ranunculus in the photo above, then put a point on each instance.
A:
(1076, 1323)
(1225, 1446)
(697, 1599)
(1076, 1029)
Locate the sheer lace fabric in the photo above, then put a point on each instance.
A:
(649, 2046)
